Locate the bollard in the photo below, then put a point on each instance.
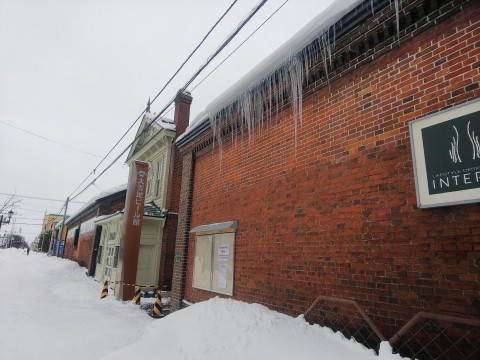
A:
(137, 296)
(157, 309)
(104, 290)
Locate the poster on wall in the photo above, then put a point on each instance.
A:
(446, 156)
(222, 275)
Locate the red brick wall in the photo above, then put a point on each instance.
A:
(68, 252)
(168, 250)
(336, 215)
(83, 252)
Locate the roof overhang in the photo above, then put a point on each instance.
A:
(227, 226)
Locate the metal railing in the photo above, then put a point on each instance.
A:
(347, 317)
(441, 337)
(426, 336)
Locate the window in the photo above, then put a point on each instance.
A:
(76, 236)
(99, 254)
(115, 256)
(159, 177)
(213, 263)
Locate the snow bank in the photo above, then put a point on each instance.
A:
(229, 330)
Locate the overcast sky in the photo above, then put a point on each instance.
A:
(81, 72)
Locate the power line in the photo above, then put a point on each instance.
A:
(40, 211)
(239, 46)
(27, 224)
(51, 140)
(40, 198)
(158, 94)
(22, 218)
(201, 68)
(196, 48)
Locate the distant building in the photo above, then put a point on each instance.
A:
(59, 239)
(82, 235)
(50, 221)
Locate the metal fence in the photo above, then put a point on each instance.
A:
(347, 317)
(433, 336)
(426, 336)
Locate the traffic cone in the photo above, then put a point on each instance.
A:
(137, 296)
(104, 290)
(157, 309)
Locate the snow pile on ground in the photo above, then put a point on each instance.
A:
(50, 309)
(230, 330)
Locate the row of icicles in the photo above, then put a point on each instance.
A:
(257, 103)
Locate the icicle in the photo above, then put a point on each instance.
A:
(397, 16)
(258, 102)
(324, 56)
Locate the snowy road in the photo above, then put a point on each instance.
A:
(49, 309)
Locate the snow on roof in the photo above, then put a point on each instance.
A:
(277, 59)
(100, 196)
(101, 218)
(164, 122)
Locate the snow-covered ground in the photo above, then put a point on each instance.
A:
(49, 309)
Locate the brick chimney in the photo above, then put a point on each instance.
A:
(181, 120)
(182, 112)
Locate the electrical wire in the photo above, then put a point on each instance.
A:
(239, 46)
(22, 218)
(39, 198)
(24, 209)
(27, 224)
(197, 73)
(51, 140)
(161, 91)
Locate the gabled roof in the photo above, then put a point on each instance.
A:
(150, 126)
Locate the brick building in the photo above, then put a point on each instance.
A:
(82, 233)
(313, 192)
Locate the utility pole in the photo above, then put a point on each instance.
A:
(61, 229)
(51, 243)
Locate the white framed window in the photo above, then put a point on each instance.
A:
(214, 262)
(159, 175)
(150, 179)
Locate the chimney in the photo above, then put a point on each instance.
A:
(182, 112)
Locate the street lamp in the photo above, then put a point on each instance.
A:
(10, 213)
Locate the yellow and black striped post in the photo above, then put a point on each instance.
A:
(104, 290)
(137, 296)
(157, 308)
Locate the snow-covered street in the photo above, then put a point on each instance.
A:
(49, 309)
